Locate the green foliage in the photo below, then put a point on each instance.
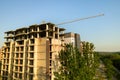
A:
(109, 67)
(76, 65)
(111, 61)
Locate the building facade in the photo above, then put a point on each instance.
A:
(31, 53)
(1, 52)
(73, 38)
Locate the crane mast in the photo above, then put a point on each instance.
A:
(79, 19)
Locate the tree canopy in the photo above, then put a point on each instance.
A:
(75, 65)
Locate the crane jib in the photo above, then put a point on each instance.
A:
(80, 19)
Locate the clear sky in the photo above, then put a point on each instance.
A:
(103, 31)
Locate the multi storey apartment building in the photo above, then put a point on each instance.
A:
(73, 38)
(31, 53)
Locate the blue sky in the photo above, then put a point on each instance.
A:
(102, 31)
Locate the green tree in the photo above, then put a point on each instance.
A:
(75, 65)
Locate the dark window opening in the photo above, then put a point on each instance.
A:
(3, 66)
(30, 70)
(20, 68)
(16, 62)
(4, 60)
(31, 55)
(21, 61)
(21, 42)
(42, 27)
(50, 47)
(15, 75)
(17, 48)
(17, 55)
(50, 33)
(50, 55)
(50, 62)
(20, 76)
(7, 44)
(22, 48)
(32, 41)
(43, 34)
(8, 56)
(30, 77)
(6, 67)
(31, 62)
(56, 36)
(31, 48)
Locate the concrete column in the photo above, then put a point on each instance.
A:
(46, 30)
(32, 36)
(38, 29)
(58, 33)
(26, 43)
(38, 35)
(53, 31)
(46, 27)
(12, 46)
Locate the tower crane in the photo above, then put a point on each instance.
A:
(79, 19)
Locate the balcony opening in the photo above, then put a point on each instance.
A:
(50, 40)
(43, 34)
(4, 73)
(31, 62)
(17, 55)
(17, 48)
(32, 41)
(30, 77)
(56, 36)
(31, 70)
(16, 68)
(8, 56)
(3, 66)
(7, 44)
(20, 75)
(31, 55)
(15, 75)
(50, 55)
(42, 27)
(21, 42)
(21, 61)
(6, 67)
(50, 33)
(20, 69)
(4, 78)
(21, 55)
(31, 48)
(22, 48)
(35, 35)
(16, 62)
(50, 62)
(50, 47)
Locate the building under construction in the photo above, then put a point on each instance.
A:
(30, 53)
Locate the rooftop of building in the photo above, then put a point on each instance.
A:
(35, 25)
